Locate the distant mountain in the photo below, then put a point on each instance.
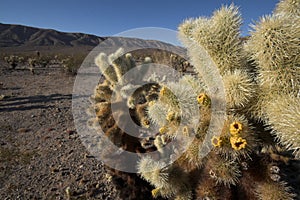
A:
(25, 39)
(18, 35)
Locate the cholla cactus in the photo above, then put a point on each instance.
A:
(243, 159)
(12, 61)
(32, 63)
(179, 63)
(288, 7)
(269, 191)
(219, 36)
(165, 179)
(283, 117)
(114, 66)
(125, 97)
(274, 46)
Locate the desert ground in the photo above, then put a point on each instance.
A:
(41, 155)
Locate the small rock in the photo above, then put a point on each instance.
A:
(83, 181)
(68, 192)
(2, 96)
(53, 189)
(64, 169)
(54, 169)
(78, 178)
(98, 186)
(70, 132)
(65, 173)
(73, 137)
(91, 192)
(23, 130)
(50, 129)
(88, 156)
(78, 192)
(30, 167)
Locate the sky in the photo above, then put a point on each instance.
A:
(111, 17)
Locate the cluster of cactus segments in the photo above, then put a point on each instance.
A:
(257, 146)
(13, 60)
(33, 61)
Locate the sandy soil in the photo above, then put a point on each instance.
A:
(41, 155)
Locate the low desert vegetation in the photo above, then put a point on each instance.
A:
(32, 61)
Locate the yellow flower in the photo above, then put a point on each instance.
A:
(203, 99)
(235, 128)
(216, 141)
(238, 143)
(155, 192)
(163, 130)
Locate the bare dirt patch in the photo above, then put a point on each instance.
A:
(41, 155)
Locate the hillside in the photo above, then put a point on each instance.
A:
(18, 35)
(23, 39)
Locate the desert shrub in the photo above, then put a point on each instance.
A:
(44, 60)
(72, 63)
(12, 60)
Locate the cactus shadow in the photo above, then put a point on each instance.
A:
(32, 102)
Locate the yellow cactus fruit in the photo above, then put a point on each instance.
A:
(238, 143)
(203, 99)
(235, 128)
(216, 141)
